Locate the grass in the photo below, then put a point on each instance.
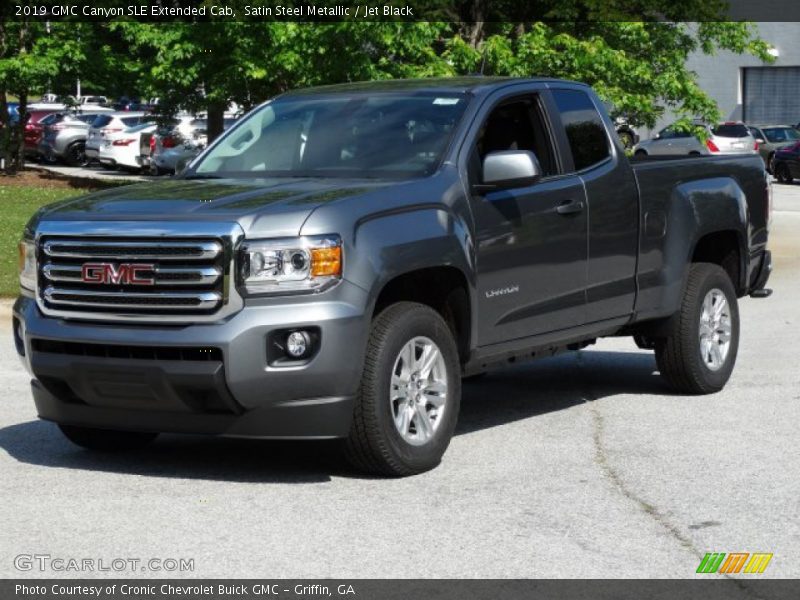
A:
(20, 197)
(18, 203)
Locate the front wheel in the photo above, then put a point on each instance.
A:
(106, 440)
(408, 401)
(698, 354)
(76, 155)
(782, 173)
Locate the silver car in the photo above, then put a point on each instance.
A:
(725, 138)
(64, 138)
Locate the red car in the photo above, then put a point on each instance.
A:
(34, 129)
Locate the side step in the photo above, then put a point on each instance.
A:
(762, 293)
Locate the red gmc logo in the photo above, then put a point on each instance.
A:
(124, 273)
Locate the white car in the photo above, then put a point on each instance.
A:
(121, 149)
(108, 124)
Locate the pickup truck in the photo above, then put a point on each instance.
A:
(336, 262)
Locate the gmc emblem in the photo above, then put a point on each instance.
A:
(121, 274)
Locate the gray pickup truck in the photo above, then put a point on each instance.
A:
(337, 262)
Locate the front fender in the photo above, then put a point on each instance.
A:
(418, 237)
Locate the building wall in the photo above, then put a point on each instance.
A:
(721, 75)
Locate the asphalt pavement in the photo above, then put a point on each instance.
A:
(583, 465)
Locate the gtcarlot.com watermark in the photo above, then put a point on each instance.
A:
(71, 564)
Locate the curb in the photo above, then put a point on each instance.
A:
(6, 304)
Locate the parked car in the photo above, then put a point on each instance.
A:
(337, 261)
(179, 144)
(93, 100)
(786, 163)
(34, 130)
(725, 138)
(108, 124)
(771, 138)
(122, 149)
(64, 138)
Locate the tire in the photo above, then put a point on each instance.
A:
(640, 154)
(782, 174)
(375, 443)
(770, 163)
(75, 156)
(106, 440)
(683, 360)
(694, 153)
(48, 158)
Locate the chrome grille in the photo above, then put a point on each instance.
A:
(181, 277)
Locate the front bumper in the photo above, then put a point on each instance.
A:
(116, 376)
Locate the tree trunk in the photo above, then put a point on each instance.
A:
(216, 120)
(19, 137)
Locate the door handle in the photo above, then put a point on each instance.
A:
(570, 207)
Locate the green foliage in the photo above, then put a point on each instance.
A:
(637, 64)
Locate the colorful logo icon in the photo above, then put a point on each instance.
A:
(734, 562)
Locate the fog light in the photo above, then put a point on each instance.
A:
(298, 344)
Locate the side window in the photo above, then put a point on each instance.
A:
(517, 125)
(585, 130)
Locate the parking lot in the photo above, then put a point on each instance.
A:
(583, 465)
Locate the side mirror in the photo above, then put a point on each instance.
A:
(510, 168)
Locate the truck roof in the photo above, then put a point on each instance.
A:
(472, 83)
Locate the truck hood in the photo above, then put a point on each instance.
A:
(277, 206)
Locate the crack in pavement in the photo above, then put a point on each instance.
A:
(613, 476)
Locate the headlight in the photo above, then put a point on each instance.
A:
(27, 264)
(291, 265)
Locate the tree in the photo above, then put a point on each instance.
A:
(638, 67)
(32, 55)
(635, 62)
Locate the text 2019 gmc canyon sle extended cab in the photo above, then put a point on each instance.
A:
(336, 262)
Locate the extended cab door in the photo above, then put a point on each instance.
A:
(531, 239)
(613, 204)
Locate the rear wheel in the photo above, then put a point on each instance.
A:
(640, 154)
(76, 155)
(408, 401)
(698, 354)
(782, 173)
(106, 440)
(771, 163)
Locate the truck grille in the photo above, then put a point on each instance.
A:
(125, 276)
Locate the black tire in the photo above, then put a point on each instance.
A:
(106, 440)
(679, 355)
(640, 154)
(782, 173)
(374, 444)
(695, 153)
(75, 156)
(770, 163)
(48, 158)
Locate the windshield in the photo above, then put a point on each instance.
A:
(781, 134)
(361, 135)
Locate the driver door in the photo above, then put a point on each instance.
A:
(531, 240)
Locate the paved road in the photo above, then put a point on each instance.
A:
(580, 466)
